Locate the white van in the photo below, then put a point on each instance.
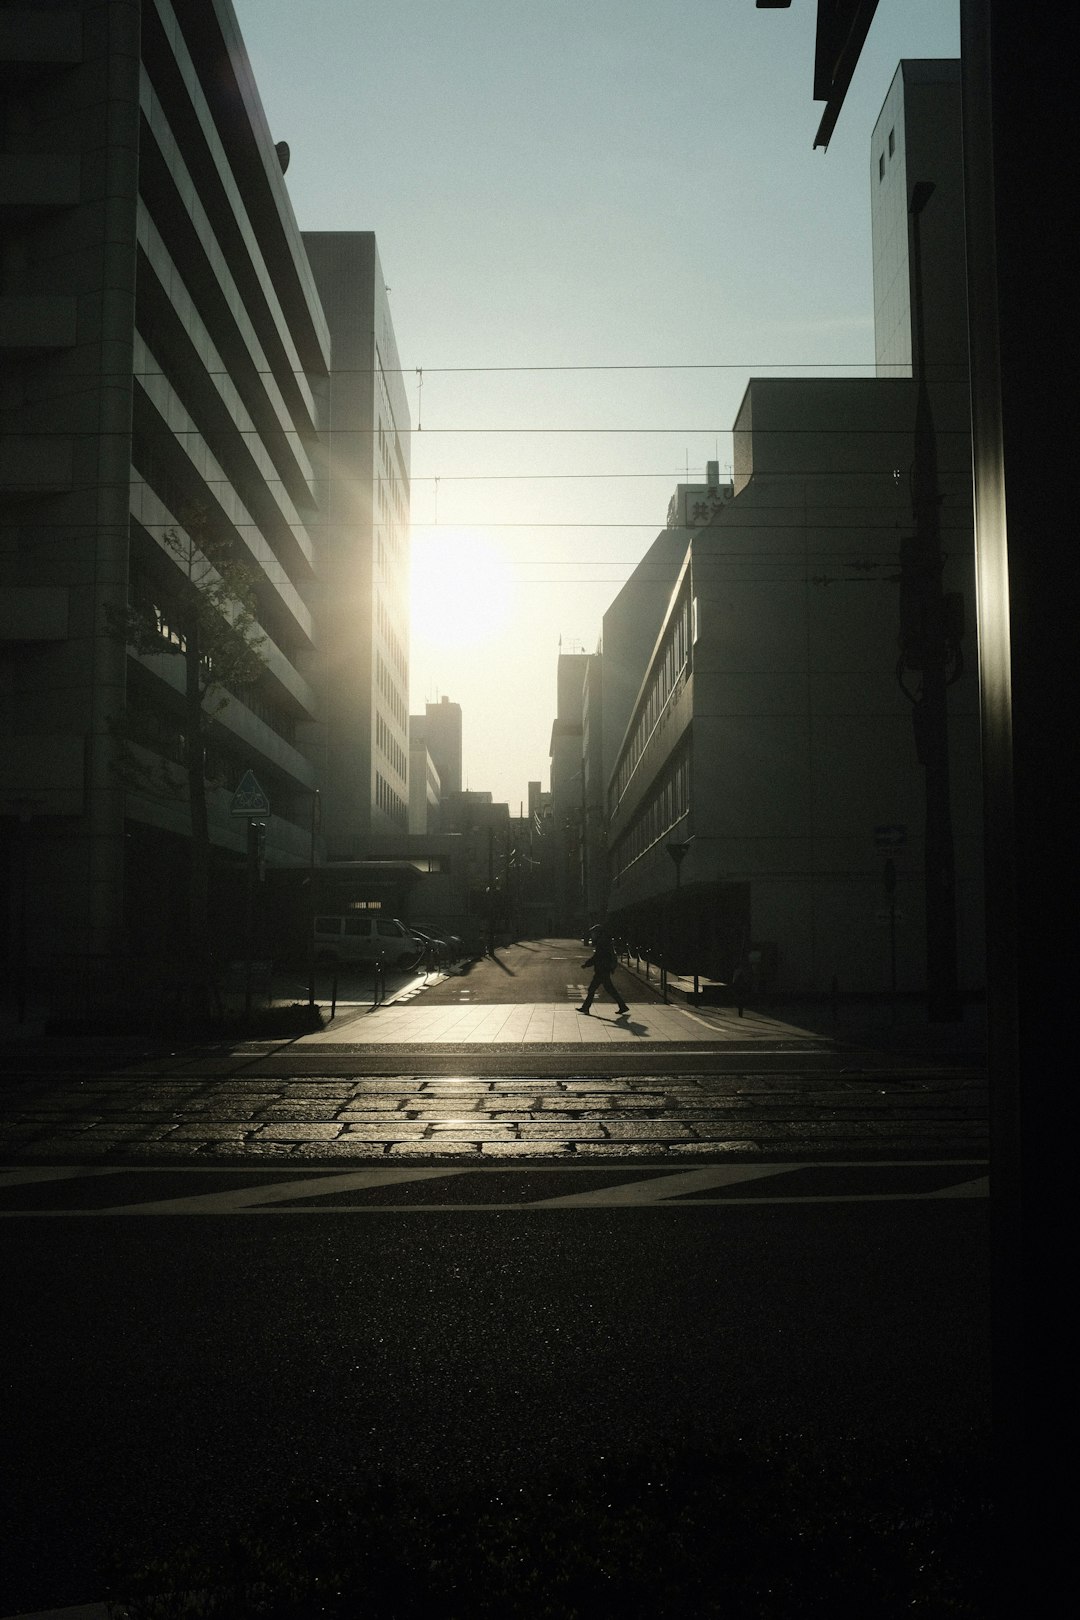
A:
(362, 937)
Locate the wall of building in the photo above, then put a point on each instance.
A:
(788, 729)
(442, 730)
(363, 585)
(425, 788)
(917, 137)
(67, 301)
(628, 634)
(166, 366)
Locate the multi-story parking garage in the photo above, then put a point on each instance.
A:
(166, 353)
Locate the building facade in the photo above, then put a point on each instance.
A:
(917, 140)
(167, 376)
(442, 732)
(628, 636)
(786, 793)
(362, 588)
(771, 735)
(425, 786)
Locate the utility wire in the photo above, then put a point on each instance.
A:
(705, 365)
(712, 431)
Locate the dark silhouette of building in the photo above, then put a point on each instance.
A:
(442, 734)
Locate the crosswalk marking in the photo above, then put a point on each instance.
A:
(712, 1186)
(256, 1198)
(660, 1187)
(32, 1175)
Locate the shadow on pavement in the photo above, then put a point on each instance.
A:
(904, 1027)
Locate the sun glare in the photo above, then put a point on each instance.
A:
(461, 590)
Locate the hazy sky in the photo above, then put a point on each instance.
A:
(575, 183)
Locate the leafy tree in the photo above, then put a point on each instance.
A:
(206, 615)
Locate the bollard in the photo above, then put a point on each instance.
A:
(333, 994)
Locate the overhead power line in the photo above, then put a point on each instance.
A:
(437, 371)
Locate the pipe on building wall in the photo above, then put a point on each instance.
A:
(118, 205)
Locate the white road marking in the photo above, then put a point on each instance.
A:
(979, 1188)
(653, 1191)
(38, 1173)
(240, 1199)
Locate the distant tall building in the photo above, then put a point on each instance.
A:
(425, 788)
(568, 790)
(442, 733)
(363, 587)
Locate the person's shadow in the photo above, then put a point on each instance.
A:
(626, 1021)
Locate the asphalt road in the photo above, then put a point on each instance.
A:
(532, 970)
(175, 1374)
(170, 1377)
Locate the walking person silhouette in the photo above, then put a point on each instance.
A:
(602, 961)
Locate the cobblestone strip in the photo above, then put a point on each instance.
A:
(342, 1116)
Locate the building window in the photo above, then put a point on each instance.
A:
(881, 166)
(892, 142)
(669, 667)
(666, 805)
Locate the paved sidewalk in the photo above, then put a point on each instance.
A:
(411, 1023)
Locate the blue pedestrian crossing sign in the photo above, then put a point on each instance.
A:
(249, 798)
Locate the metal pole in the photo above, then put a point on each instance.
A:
(312, 903)
(931, 711)
(584, 855)
(24, 863)
(506, 885)
(249, 912)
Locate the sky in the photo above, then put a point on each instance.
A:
(597, 219)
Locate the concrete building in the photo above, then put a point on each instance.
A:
(628, 635)
(568, 802)
(917, 140)
(425, 786)
(166, 352)
(594, 882)
(442, 732)
(362, 587)
(773, 733)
